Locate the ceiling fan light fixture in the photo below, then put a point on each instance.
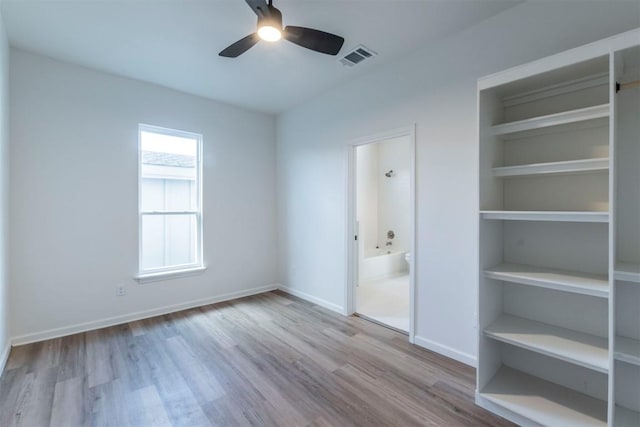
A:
(269, 33)
(270, 29)
(270, 24)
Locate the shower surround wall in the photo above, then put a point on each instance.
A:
(383, 203)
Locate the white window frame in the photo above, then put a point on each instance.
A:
(173, 271)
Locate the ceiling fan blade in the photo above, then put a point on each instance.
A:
(314, 39)
(260, 7)
(241, 46)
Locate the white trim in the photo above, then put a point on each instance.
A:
(169, 274)
(413, 308)
(169, 212)
(390, 134)
(310, 298)
(350, 220)
(466, 358)
(350, 248)
(117, 320)
(613, 178)
(169, 131)
(4, 357)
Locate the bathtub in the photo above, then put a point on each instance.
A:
(379, 264)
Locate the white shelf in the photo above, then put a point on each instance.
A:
(566, 117)
(567, 281)
(627, 350)
(544, 402)
(625, 417)
(627, 272)
(560, 216)
(565, 167)
(582, 349)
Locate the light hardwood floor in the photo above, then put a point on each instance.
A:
(269, 359)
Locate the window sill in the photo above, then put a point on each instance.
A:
(168, 275)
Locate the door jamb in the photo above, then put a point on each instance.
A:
(350, 242)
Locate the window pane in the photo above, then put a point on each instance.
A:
(169, 172)
(160, 194)
(168, 240)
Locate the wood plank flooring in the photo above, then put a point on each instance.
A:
(266, 360)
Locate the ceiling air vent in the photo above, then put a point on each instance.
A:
(357, 55)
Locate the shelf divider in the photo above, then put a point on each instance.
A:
(563, 118)
(588, 351)
(560, 280)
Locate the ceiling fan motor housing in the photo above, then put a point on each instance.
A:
(271, 19)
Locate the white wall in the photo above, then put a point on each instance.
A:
(4, 195)
(74, 224)
(436, 89)
(394, 206)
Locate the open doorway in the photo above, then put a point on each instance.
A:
(382, 220)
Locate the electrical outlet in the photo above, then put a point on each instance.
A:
(120, 290)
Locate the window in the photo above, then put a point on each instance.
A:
(170, 201)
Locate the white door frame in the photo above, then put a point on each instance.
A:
(352, 244)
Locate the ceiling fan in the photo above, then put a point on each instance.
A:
(270, 29)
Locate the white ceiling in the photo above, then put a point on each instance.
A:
(175, 43)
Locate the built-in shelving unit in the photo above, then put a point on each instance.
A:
(559, 167)
(546, 216)
(570, 166)
(567, 281)
(582, 349)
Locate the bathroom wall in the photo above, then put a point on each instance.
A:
(394, 197)
(384, 203)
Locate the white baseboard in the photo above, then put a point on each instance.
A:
(452, 353)
(308, 297)
(4, 356)
(112, 321)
